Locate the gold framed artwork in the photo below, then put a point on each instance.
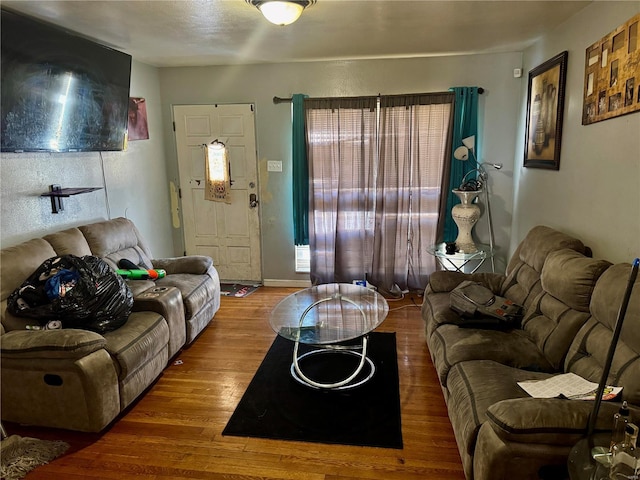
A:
(612, 74)
(545, 107)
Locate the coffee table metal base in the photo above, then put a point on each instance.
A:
(352, 381)
(325, 317)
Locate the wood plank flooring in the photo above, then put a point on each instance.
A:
(174, 430)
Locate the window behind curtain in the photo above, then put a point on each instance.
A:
(341, 140)
(414, 137)
(375, 182)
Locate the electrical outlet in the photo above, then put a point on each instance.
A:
(274, 166)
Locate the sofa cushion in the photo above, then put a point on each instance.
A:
(137, 342)
(435, 308)
(571, 277)
(588, 351)
(69, 242)
(522, 283)
(607, 299)
(539, 242)
(116, 239)
(20, 261)
(140, 286)
(436, 311)
(196, 290)
(552, 325)
(555, 316)
(450, 345)
(447, 280)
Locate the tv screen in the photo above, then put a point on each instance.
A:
(60, 92)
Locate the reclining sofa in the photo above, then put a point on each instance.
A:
(81, 380)
(571, 304)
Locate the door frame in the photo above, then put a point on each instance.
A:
(177, 202)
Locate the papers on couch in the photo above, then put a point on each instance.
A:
(567, 385)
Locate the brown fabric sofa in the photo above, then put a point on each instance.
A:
(81, 380)
(571, 303)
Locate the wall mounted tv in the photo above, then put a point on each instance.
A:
(60, 92)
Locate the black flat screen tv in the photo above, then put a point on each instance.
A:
(60, 91)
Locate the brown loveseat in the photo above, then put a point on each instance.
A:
(571, 304)
(81, 380)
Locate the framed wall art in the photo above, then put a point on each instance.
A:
(545, 107)
(137, 127)
(612, 74)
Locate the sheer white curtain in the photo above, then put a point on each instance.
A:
(414, 140)
(375, 180)
(341, 150)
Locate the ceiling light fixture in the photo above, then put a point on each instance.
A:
(281, 12)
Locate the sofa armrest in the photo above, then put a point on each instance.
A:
(550, 421)
(444, 281)
(50, 344)
(194, 264)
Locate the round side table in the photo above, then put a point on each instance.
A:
(582, 465)
(461, 262)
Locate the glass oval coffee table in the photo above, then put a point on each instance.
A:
(326, 316)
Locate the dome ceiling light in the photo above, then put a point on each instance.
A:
(281, 12)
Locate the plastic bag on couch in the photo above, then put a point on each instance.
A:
(80, 292)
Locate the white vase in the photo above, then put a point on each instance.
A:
(465, 214)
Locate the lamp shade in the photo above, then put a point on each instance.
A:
(461, 153)
(469, 142)
(281, 12)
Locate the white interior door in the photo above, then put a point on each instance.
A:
(228, 233)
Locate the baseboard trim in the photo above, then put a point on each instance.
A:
(273, 282)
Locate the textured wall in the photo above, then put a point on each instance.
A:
(24, 176)
(595, 194)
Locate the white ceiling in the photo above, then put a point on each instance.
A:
(223, 32)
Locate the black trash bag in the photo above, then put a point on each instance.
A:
(80, 292)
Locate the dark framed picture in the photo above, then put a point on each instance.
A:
(545, 106)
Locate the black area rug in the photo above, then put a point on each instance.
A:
(277, 406)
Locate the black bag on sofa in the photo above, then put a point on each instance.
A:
(80, 292)
(479, 307)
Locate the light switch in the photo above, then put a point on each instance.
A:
(274, 166)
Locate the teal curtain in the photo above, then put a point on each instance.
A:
(300, 174)
(465, 124)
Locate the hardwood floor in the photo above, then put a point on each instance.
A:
(174, 430)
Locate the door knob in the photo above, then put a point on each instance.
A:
(253, 201)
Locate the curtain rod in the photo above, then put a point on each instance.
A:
(278, 100)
